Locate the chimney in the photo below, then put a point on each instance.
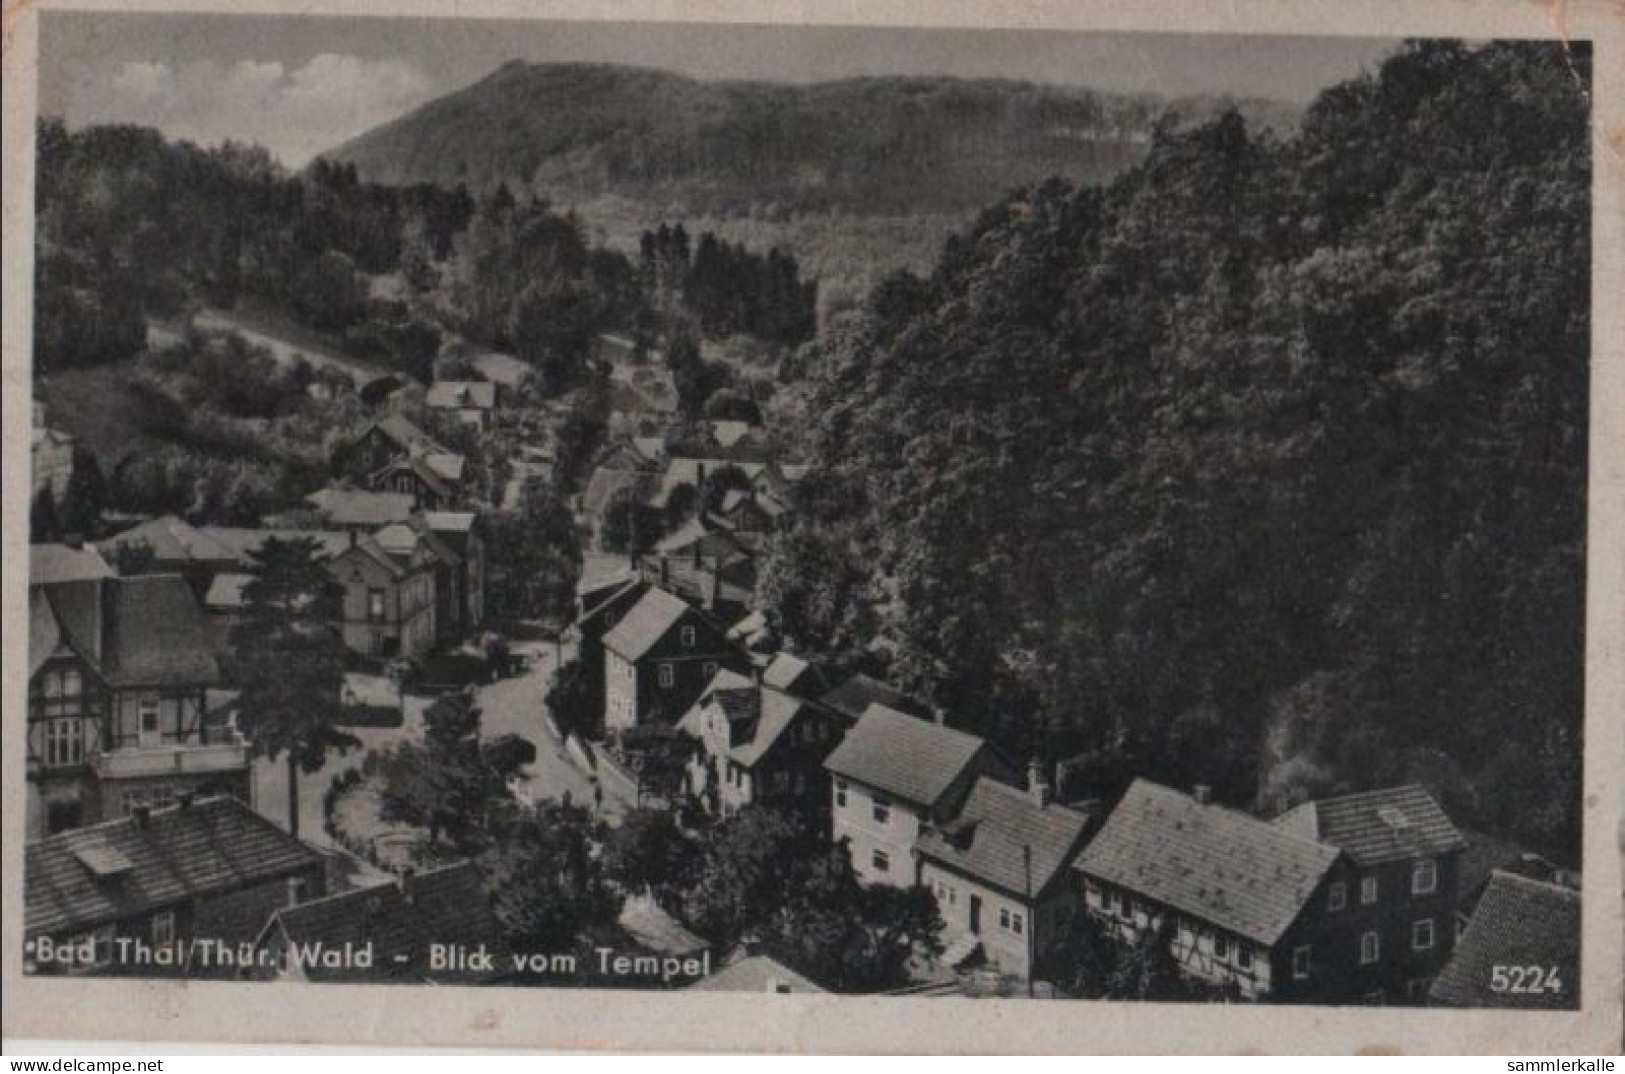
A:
(939, 716)
(1203, 794)
(1038, 787)
(296, 890)
(75, 541)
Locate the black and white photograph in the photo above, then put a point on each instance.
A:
(907, 512)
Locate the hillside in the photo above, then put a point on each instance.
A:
(626, 147)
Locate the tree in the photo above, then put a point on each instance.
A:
(746, 863)
(86, 495)
(44, 525)
(849, 937)
(553, 327)
(576, 695)
(545, 880)
(534, 557)
(731, 404)
(289, 662)
(452, 782)
(327, 293)
(648, 851)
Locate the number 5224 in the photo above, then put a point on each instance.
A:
(1525, 979)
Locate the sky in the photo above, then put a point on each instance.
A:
(302, 85)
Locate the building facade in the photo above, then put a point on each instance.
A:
(658, 658)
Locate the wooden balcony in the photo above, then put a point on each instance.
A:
(137, 763)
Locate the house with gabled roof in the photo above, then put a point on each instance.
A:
(436, 927)
(1521, 949)
(852, 696)
(1000, 869)
(119, 674)
(162, 891)
(392, 454)
(892, 775)
(169, 545)
(1405, 861)
(759, 744)
(1240, 902)
(472, 402)
(347, 508)
(657, 659)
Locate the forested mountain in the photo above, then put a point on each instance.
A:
(857, 176)
(879, 145)
(1263, 465)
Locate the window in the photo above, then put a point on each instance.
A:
(1424, 877)
(881, 809)
(1244, 957)
(1370, 948)
(1004, 918)
(710, 669)
(163, 928)
(840, 793)
(1368, 890)
(1337, 896)
(1422, 935)
(687, 635)
(668, 676)
(1016, 923)
(65, 742)
(375, 642)
(881, 861)
(375, 605)
(1114, 901)
(151, 731)
(1300, 962)
(1221, 947)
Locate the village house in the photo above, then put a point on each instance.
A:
(120, 670)
(759, 744)
(658, 658)
(1521, 949)
(747, 972)
(894, 774)
(170, 545)
(391, 454)
(1405, 856)
(472, 402)
(1349, 903)
(161, 891)
(388, 604)
(407, 923)
(706, 566)
(458, 538)
(1000, 869)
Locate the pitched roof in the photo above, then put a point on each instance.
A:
(503, 369)
(914, 759)
(362, 507)
(1227, 868)
(459, 522)
(853, 697)
(462, 394)
(792, 674)
(243, 542)
(1519, 922)
(54, 564)
(44, 632)
(757, 973)
(180, 853)
(401, 430)
(156, 634)
(401, 921)
(990, 836)
(1485, 855)
(226, 590)
(1392, 824)
(655, 613)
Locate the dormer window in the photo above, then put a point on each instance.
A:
(1368, 890)
(687, 636)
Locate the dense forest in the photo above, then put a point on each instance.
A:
(1262, 466)
(138, 236)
